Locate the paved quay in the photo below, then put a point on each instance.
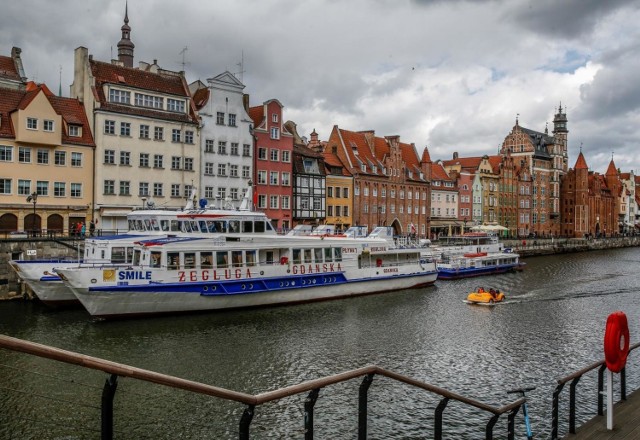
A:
(626, 423)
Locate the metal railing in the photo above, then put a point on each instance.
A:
(574, 378)
(313, 387)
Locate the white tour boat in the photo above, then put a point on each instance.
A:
(187, 274)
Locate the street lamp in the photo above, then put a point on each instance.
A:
(465, 225)
(33, 198)
(144, 199)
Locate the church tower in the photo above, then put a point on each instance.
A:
(125, 46)
(560, 133)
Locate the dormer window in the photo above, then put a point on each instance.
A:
(175, 105)
(307, 163)
(374, 169)
(363, 167)
(74, 131)
(119, 96)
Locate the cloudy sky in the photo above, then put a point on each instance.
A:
(447, 75)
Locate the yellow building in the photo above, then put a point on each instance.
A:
(339, 193)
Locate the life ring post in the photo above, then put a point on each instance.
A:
(616, 350)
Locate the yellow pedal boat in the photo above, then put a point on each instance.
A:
(482, 296)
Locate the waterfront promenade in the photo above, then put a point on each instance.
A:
(626, 423)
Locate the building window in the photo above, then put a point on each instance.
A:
(273, 178)
(109, 127)
(157, 189)
(125, 129)
(24, 155)
(5, 186)
(262, 201)
(176, 161)
(246, 150)
(222, 193)
(144, 131)
(274, 117)
(208, 168)
(43, 157)
(109, 187)
(188, 137)
(222, 169)
(76, 190)
(119, 96)
(125, 158)
(234, 194)
(188, 164)
(234, 149)
(262, 153)
(208, 146)
(275, 133)
(175, 105)
(233, 170)
(175, 190)
(345, 211)
(208, 192)
(275, 155)
(273, 202)
(284, 202)
(60, 158)
(143, 100)
(125, 188)
(144, 160)
(47, 125)
(220, 118)
(59, 189)
(176, 135)
(188, 189)
(262, 177)
(286, 156)
(222, 147)
(330, 210)
(74, 131)
(6, 154)
(158, 133)
(76, 159)
(143, 189)
(232, 120)
(345, 193)
(246, 171)
(32, 123)
(329, 191)
(286, 178)
(157, 161)
(24, 187)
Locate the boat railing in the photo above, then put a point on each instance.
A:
(573, 380)
(115, 371)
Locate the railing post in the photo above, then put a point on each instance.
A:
(362, 406)
(438, 422)
(245, 422)
(554, 411)
(489, 429)
(309, 403)
(623, 384)
(601, 389)
(108, 393)
(572, 405)
(511, 423)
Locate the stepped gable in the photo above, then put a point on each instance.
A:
(540, 142)
(581, 163)
(165, 82)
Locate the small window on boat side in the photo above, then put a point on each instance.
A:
(164, 225)
(234, 226)
(269, 257)
(307, 256)
(221, 259)
(155, 259)
(258, 226)
(118, 255)
(136, 257)
(338, 254)
(203, 226)
(250, 256)
(318, 255)
(328, 255)
(236, 258)
(173, 260)
(129, 254)
(247, 226)
(297, 254)
(206, 260)
(154, 225)
(189, 260)
(175, 226)
(147, 225)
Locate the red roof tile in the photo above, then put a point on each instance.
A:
(612, 171)
(581, 164)
(257, 115)
(8, 69)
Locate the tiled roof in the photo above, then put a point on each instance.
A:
(8, 69)
(438, 173)
(581, 164)
(466, 163)
(257, 115)
(611, 170)
(167, 83)
(201, 97)
(72, 112)
(332, 160)
(9, 101)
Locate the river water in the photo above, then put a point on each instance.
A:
(551, 325)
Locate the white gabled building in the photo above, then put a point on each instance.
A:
(226, 138)
(146, 132)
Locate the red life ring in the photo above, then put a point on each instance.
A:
(284, 260)
(616, 341)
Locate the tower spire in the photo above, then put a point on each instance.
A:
(125, 46)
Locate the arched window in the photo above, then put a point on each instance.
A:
(55, 223)
(8, 223)
(32, 222)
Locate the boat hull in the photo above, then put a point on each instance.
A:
(44, 282)
(459, 273)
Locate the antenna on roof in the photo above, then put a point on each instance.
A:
(184, 62)
(60, 83)
(241, 66)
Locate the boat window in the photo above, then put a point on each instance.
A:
(136, 257)
(139, 226)
(147, 225)
(86, 253)
(189, 260)
(221, 259)
(129, 254)
(131, 225)
(194, 226)
(269, 226)
(297, 256)
(172, 260)
(307, 256)
(164, 225)
(317, 255)
(203, 226)
(102, 254)
(206, 260)
(211, 226)
(155, 259)
(154, 225)
(250, 256)
(258, 227)
(236, 258)
(93, 251)
(175, 226)
(118, 254)
(220, 226)
(234, 226)
(338, 254)
(328, 255)
(247, 226)
(186, 226)
(269, 259)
